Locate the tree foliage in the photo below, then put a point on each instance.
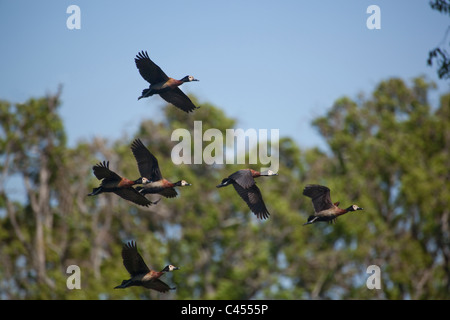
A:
(439, 54)
(388, 153)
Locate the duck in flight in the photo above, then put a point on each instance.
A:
(244, 183)
(151, 174)
(141, 274)
(162, 84)
(325, 209)
(123, 187)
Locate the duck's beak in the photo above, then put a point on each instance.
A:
(360, 209)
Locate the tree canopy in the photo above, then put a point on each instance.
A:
(388, 152)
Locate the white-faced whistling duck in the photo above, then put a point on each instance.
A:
(163, 85)
(112, 182)
(325, 210)
(140, 274)
(149, 169)
(244, 183)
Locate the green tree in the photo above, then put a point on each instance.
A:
(392, 155)
(388, 152)
(32, 140)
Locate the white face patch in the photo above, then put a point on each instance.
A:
(269, 173)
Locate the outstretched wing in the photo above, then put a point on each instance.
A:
(169, 193)
(243, 178)
(320, 196)
(133, 195)
(253, 197)
(157, 285)
(146, 161)
(101, 171)
(132, 260)
(148, 69)
(177, 97)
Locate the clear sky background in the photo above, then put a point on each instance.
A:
(269, 64)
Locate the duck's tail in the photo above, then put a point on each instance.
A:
(124, 284)
(145, 93)
(311, 220)
(224, 183)
(95, 191)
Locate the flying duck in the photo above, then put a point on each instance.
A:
(244, 183)
(112, 182)
(149, 170)
(163, 85)
(325, 209)
(140, 274)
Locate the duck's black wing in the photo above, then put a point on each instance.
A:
(148, 69)
(146, 161)
(253, 197)
(320, 196)
(133, 195)
(101, 171)
(157, 285)
(168, 193)
(243, 178)
(177, 97)
(132, 260)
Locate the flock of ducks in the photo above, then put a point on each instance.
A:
(151, 180)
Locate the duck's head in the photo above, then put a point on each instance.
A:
(269, 173)
(182, 183)
(170, 268)
(354, 207)
(189, 79)
(142, 180)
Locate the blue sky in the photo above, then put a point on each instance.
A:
(269, 64)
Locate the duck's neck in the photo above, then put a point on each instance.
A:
(255, 174)
(177, 184)
(158, 274)
(342, 211)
